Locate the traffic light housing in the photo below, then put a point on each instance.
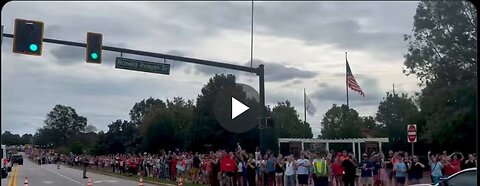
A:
(94, 48)
(28, 37)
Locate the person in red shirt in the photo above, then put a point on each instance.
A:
(456, 163)
(337, 170)
(173, 168)
(229, 166)
(448, 168)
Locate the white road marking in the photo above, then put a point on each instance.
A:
(47, 182)
(62, 175)
(100, 181)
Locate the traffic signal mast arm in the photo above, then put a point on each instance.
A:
(156, 55)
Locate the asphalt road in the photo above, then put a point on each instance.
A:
(49, 175)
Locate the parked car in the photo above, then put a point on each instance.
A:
(17, 158)
(467, 177)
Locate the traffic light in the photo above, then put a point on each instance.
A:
(94, 48)
(28, 37)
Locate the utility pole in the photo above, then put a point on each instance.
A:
(393, 89)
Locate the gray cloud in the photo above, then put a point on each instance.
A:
(69, 55)
(373, 94)
(319, 23)
(274, 72)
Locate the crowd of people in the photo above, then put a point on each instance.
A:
(247, 169)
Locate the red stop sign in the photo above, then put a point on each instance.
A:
(412, 133)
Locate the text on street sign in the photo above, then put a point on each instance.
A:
(144, 66)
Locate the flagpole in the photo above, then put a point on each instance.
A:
(305, 106)
(346, 80)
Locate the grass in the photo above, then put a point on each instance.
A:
(136, 178)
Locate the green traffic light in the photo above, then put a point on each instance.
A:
(33, 47)
(94, 55)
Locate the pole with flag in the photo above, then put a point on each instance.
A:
(350, 80)
(308, 106)
(346, 77)
(305, 106)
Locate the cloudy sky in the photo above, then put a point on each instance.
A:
(301, 44)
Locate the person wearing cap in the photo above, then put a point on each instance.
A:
(366, 178)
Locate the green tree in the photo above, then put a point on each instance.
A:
(443, 55)
(443, 46)
(10, 139)
(137, 115)
(341, 122)
(158, 130)
(206, 130)
(288, 123)
(119, 134)
(45, 136)
(394, 114)
(142, 108)
(183, 114)
(99, 148)
(65, 121)
(27, 139)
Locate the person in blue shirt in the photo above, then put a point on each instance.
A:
(271, 169)
(366, 166)
(436, 168)
(400, 169)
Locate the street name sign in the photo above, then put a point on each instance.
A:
(143, 66)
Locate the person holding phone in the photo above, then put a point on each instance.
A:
(415, 170)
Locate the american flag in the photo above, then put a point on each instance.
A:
(352, 83)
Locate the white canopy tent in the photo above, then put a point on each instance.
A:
(328, 141)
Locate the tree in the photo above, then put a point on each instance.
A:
(394, 114)
(66, 121)
(142, 108)
(158, 130)
(206, 130)
(183, 114)
(46, 136)
(119, 134)
(99, 147)
(443, 55)
(27, 139)
(341, 122)
(10, 139)
(288, 123)
(443, 46)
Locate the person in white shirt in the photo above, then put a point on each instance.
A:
(303, 170)
(290, 171)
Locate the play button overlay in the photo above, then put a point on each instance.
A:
(236, 108)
